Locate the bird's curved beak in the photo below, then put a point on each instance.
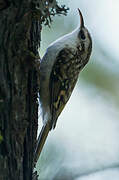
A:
(81, 19)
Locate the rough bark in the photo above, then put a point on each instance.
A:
(20, 27)
(18, 94)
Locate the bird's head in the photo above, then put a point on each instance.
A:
(84, 40)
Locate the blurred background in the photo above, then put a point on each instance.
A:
(85, 143)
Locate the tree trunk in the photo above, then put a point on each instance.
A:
(18, 93)
(20, 28)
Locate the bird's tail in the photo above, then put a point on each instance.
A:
(41, 141)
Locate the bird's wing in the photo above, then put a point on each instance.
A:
(62, 81)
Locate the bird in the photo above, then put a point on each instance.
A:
(59, 71)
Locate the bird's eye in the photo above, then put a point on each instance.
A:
(82, 35)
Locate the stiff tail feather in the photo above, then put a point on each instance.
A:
(41, 140)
